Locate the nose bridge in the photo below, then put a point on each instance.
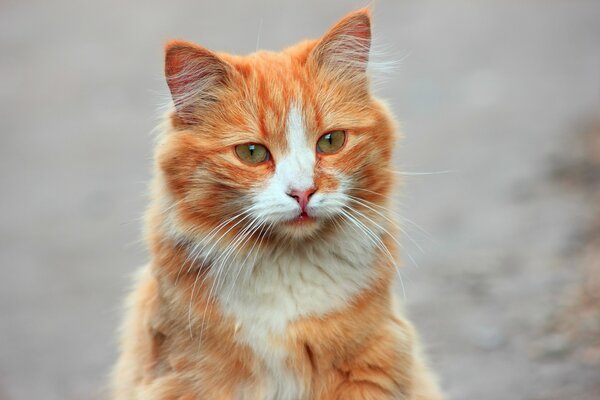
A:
(305, 171)
(297, 167)
(297, 170)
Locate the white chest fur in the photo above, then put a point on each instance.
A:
(287, 284)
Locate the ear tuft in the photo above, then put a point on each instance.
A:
(345, 47)
(194, 75)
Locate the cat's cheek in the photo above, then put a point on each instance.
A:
(327, 182)
(249, 186)
(178, 159)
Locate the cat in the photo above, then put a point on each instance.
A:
(272, 245)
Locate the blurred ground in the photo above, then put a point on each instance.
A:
(504, 95)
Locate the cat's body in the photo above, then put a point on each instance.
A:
(271, 274)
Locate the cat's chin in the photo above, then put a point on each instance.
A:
(300, 227)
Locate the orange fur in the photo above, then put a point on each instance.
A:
(178, 341)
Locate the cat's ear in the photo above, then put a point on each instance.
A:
(195, 77)
(344, 49)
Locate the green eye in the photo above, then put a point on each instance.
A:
(252, 153)
(331, 142)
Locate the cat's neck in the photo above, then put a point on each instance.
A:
(270, 285)
(290, 282)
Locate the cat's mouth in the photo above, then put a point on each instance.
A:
(301, 219)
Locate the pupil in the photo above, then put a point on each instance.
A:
(251, 148)
(329, 138)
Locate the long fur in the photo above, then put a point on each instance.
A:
(243, 298)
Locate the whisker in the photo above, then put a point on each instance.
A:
(378, 244)
(236, 244)
(421, 229)
(206, 255)
(364, 203)
(207, 297)
(373, 192)
(208, 237)
(390, 235)
(241, 265)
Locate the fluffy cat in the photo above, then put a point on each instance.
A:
(271, 242)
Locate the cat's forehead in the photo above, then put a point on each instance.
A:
(274, 88)
(274, 80)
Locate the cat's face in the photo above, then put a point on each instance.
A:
(289, 144)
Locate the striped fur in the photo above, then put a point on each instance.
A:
(244, 299)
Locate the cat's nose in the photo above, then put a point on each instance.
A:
(302, 196)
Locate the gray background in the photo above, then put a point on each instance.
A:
(494, 97)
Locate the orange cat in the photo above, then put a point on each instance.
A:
(272, 269)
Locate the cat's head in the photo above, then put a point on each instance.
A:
(288, 144)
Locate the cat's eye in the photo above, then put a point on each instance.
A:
(331, 142)
(252, 153)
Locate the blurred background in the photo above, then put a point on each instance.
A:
(499, 102)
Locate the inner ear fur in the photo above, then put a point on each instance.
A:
(344, 49)
(195, 77)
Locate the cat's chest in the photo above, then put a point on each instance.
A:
(285, 289)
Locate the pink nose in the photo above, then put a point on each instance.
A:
(302, 197)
